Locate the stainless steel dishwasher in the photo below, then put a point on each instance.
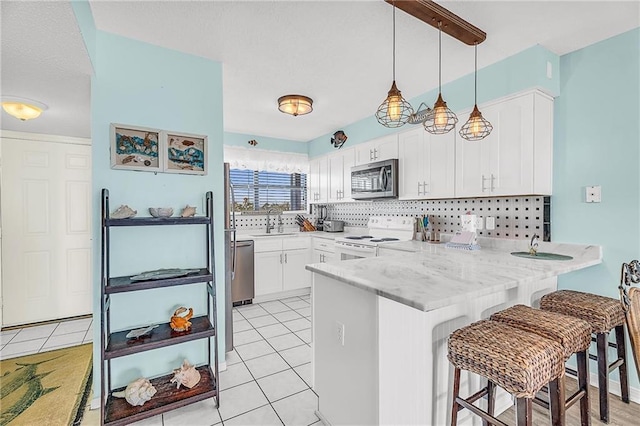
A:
(242, 285)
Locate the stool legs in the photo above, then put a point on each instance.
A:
(557, 399)
(456, 393)
(602, 344)
(491, 401)
(583, 386)
(622, 354)
(524, 411)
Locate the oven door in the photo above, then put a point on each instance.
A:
(347, 251)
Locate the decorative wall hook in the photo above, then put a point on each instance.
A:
(338, 139)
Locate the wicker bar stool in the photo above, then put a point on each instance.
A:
(603, 314)
(518, 361)
(573, 334)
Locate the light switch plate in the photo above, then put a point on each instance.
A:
(593, 194)
(490, 222)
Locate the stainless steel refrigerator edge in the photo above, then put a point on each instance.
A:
(230, 255)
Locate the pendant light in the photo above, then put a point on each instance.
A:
(477, 127)
(395, 110)
(442, 119)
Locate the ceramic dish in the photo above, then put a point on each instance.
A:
(161, 211)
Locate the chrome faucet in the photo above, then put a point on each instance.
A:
(280, 223)
(269, 224)
(533, 245)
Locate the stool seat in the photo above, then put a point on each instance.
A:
(603, 313)
(519, 362)
(573, 334)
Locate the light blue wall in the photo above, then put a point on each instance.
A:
(525, 70)
(144, 85)
(597, 142)
(273, 144)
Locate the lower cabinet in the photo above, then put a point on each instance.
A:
(323, 250)
(280, 264)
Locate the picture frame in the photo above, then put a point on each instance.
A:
(136, 148)
(185, 153)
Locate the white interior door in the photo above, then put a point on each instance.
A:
(46, 227)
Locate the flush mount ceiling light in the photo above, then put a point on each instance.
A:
(477, 127)
(22, 108)
(442, 119)
(295, 104)
(395, 110)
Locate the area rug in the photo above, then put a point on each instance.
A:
(48, 388)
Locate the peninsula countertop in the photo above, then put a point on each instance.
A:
(429, 276)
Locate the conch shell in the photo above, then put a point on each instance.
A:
(180, 319)
(187, 375)
(123, 212)
(188, 211)
(137, 392)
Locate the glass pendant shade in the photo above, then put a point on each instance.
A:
(395, 110)
(477, 127)
(23, 109)
(441, 120)
(295, 105)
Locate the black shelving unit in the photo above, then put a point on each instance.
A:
(116, 411)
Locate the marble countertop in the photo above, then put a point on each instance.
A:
(430, 276)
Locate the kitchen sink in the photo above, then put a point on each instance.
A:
(541, 255)
(273, 234)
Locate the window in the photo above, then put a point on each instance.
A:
(261, 191)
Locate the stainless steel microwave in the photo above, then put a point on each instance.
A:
(375, 180)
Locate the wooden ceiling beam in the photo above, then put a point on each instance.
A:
(432, 13)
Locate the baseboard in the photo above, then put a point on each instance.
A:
(95, 403)
(614, 388)
(322, 418)
(281, 295)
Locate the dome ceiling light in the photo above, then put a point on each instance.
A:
(22, 108)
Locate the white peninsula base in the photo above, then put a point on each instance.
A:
(393, 367)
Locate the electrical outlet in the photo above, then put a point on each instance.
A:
(490, 222)
(339, 328)
(593, 194)
(479, 223)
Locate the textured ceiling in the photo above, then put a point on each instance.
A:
(44, 58)
(338, 53)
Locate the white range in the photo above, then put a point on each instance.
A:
(380, 230)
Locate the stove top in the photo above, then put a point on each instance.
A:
(382, 229)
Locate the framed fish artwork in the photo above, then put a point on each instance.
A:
(185, 153)
(135, 148)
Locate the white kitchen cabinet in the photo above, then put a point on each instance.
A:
(318, 180)
(323, 250)
(339, 175)
(426, 165)
(516, 158)
(280, 264)
(268, 272)
(380, 149)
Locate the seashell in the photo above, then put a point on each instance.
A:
(139, 332)
(161, 211)
(187, 375)
(188, 211)
(123, 212)
(137, 392)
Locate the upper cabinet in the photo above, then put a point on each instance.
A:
(516, 158)
(426, 164)
(339, 175)
(318, 180)
(380, 149)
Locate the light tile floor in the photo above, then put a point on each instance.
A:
(268, 378)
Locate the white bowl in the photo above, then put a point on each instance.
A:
(161, 211)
